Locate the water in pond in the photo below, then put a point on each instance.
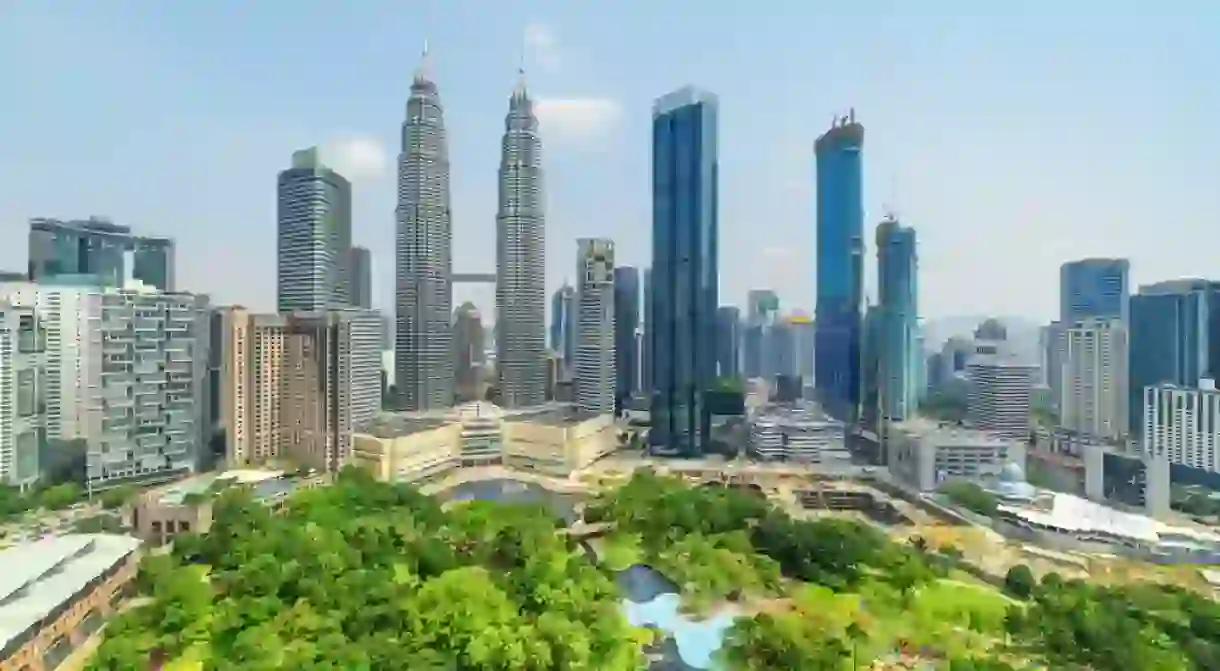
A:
(650, 599)
(512, 491)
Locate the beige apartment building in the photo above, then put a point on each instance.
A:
(294, 386)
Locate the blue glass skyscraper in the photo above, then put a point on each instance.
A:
(728, 341)
(840, 267)
(626, 321)
(1171, 339)
(1094, 288)
(897, 282)
(685, 275)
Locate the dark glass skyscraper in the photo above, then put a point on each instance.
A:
(563, 323)
(685, 274)
(840, 267)
(1171, 338)
(626, 321)
(1094, 288)
(728, 341)
(899, 353)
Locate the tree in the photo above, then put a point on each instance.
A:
(857, 635)
(117, 497)
(1019, 581)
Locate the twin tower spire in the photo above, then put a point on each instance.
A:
(423, 294)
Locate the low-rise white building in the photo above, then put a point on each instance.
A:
(925, 454)
(800, 432)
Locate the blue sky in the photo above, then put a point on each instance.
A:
(1013, 138)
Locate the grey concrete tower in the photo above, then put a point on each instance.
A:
(423, 261)
(521, 259)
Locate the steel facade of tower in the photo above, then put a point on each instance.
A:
(563, 323)
(626, 321)
(521, 259)
(684, 278)
(423, 262)
(594, 378)
(840, 267)
(314, 229)
(897, 283)
(728, 341)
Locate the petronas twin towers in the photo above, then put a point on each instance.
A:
(423, 288)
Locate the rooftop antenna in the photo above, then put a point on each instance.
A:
(421, 72)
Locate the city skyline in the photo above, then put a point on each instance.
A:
(944, 178)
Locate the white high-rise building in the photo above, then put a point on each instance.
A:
(1183, 425)
(1001, 389)
(1094, 383)
(71, 318)
(423, 254)
(22, 400)
(594, 378)
(521, 259)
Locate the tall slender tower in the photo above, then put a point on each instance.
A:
(685, 281)
(423, 292)
(840, 267)
(595, 326)
(521, 258)
(314, 230)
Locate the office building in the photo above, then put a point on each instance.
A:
(898, 311)
(840, 266)
(330, 384)
(762, 305)
(1170, 339)
(314, 215)
(646, 358)
(96, 248)
(626, 323)
(469, 355)
(1095, 378)
(359, 267)
(423, 261)
(1093, 288)
(22, 394)
(1000, 396)
(798, 433)
(870, 369)
(563, 324)
(779, 349)
(521, 259)
(926, 454)
(728, 341)
(685, 273)
(595, 377)
(805, 334)
(753, 350)
(1182, 424)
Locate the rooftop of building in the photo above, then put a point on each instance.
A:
(41, 575)
(799, 411)
(948, 433)
(1071, 513)
(399, 424)
(175, 494)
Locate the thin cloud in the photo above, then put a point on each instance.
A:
(542, 47)
(577, 120)
(359, 158)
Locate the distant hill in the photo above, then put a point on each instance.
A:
(1022, 332)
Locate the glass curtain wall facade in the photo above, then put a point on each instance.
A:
(685, 275)
(1170, 339)
(626, 321)
(1091, 288)
(840, 267)
(897, 274)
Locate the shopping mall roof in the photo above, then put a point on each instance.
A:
(40, 575)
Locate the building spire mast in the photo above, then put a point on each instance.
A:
(424, 70)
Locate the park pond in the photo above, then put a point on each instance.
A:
(649, 598)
